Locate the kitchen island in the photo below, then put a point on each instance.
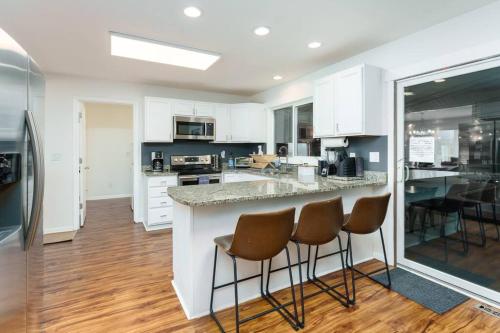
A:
(204, 212)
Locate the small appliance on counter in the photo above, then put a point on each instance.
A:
(360, 167)
(334, 157)
(323, 168)
(243, 162)
(347, 167)
(157, 161)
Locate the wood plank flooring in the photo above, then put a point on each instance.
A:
(115, 277)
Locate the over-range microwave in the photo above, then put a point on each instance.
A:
(194, 128)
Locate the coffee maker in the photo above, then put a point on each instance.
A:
(157, 161)
(334, 157)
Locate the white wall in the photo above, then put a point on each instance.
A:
(60, 213)
(468, 37)
(109, 150)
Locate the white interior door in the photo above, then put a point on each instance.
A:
(83, 168)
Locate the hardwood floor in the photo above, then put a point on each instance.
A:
(115, 277)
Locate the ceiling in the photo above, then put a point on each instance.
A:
(72, 37)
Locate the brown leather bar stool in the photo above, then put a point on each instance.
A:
(320, 223)
(367, 216)
(258, 237)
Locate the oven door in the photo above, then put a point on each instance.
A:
(193, 128)
(199, 179)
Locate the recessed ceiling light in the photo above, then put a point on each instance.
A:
(314, 45)
(409, 93)
(439, 80)
(192, 12)
(154, 51)
(261, 31)
(277, 77)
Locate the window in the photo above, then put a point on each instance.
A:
(293, 129)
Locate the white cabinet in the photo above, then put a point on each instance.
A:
(183, 108)
(248, 123)
(158, 120)
(349, 103)
(245, 122)
(158, 205)
(204, 109)
(222, 123)
(323, 125)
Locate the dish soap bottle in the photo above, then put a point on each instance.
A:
(230, 162)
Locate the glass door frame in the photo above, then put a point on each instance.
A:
(461, 285)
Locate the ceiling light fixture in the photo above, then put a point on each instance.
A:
(155, 51)
(439, 80)
(277, 77)
(409, 93)
(192, 12)
(314, 45)
(262, 31)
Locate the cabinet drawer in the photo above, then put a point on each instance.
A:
(160, 215)
(160, 202)
(162, 181)
(156, 192)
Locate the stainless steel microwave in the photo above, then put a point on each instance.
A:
(194, 128)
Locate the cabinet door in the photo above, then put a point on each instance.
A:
(158, 121)
(222, 123)
(323, 116)
(349, 102)
(239, 122)
(257, 124)
(183, 108)
(204, 109)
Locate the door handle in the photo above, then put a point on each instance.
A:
(38, 172)
(407, 173)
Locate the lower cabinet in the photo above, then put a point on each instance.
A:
(158, 208)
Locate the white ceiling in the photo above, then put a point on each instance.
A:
(71, 36)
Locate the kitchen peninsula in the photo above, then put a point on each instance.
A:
(204, 212)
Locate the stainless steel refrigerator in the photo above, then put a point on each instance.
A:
(21, 188)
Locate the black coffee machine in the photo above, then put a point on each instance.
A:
(334, 157)
(157, 161)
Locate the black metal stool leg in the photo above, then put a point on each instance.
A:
(213, 283)
(308, 262)
(292, 288)
(343, 270)
(385, 259)
(349, 246)
(236, 307)
(299, 261)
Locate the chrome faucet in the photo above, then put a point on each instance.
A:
(283, 150)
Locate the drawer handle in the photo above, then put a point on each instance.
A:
(163, 202)
(163, 192)
(163, 215)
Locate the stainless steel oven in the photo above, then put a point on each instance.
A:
(199, 179)
(194, 128)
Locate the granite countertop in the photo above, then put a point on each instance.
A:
(276, 186)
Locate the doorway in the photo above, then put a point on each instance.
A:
(106, 158)
(448, 154)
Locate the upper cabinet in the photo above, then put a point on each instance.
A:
(349, 103)
(158, 120)
(237, 123)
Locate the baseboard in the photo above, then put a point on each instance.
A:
(111, 196)
(55, 230)
(58, 237)
(181, 300)
(157, 226)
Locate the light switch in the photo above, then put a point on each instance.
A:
(374, 157)
(352, 154)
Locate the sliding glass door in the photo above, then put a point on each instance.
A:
(448, 162)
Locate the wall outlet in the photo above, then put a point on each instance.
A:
(352, 154)
(374, 157)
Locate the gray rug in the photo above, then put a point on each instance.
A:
(422, 291)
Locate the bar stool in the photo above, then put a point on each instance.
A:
(257, 237)
(320, 223)
(367, 216)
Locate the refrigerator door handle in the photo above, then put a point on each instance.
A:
(38, 171)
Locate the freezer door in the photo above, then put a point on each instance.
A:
(13, 103)
(34, 242)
